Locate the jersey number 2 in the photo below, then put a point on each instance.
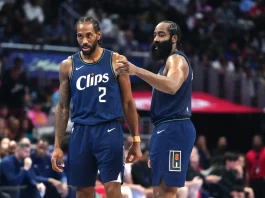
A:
(103, 90)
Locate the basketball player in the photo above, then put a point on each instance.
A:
(174, 134)
(88, 78)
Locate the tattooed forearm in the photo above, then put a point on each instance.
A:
(62, 116)
(62, 109)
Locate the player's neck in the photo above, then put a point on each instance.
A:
(94, 57)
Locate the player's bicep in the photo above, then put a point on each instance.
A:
(125, 89)
(64, 88)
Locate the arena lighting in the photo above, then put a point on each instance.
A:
(201, 103)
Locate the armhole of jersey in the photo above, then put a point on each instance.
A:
(190, 69)
(72, 72)
(111, 67)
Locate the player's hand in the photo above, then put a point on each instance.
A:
(57, 155)
(125, 67)
(134, 153)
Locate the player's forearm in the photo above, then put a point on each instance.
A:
(61, 120)
(161, 83)
(131, 117)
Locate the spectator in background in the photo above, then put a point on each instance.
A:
(55, 183)
(204, 153)
(15, 171)
(3, 111)
(12, 147)
(223, 65)
(196, 182)
(15, 88)
(4, 148)
(55, 33)
(255, 162)
(241, 167)
(220, 150)
(129, 189)
(55, 97)
(36, 115)
(232, 183)
(3, 129)
(141, 173)
(33, 11)
(27, 128)
(14, 130)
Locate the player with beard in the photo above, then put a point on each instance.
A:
(99, 98)
(174, 134)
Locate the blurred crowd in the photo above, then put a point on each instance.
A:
(23, 107)
(25, 171)
(229, 34)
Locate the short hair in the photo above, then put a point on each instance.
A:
(91, 20)
(174, 29)
(229, 156)
(43, 139)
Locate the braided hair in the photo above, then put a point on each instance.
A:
(91, 20)
(174, 29)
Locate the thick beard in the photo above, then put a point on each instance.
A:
(92, 49)
(163, 50)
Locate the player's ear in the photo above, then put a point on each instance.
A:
(174, 39)
(98, 35)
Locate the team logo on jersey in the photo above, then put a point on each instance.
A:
(174, 160)
(91, 80)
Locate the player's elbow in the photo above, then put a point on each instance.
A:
(172, 90)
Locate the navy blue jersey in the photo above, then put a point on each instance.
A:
(165, 106)
(95, 91)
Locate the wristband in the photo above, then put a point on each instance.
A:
(136, 139)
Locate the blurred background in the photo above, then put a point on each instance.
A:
(225, 42)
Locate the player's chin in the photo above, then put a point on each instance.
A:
(86, 52)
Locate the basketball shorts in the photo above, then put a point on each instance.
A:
(170, 149)
(93, 148)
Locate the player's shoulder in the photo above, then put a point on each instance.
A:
(177, 59)
(66, 64)
(67, 61)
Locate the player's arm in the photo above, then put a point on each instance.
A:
(63, 106)
(129, 108)
(177, 73)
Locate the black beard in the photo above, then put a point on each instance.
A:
(161, 50)
(92, 48)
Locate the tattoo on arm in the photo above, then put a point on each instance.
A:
(63, 107)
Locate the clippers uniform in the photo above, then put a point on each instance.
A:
(174, 134)
(96, 141)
